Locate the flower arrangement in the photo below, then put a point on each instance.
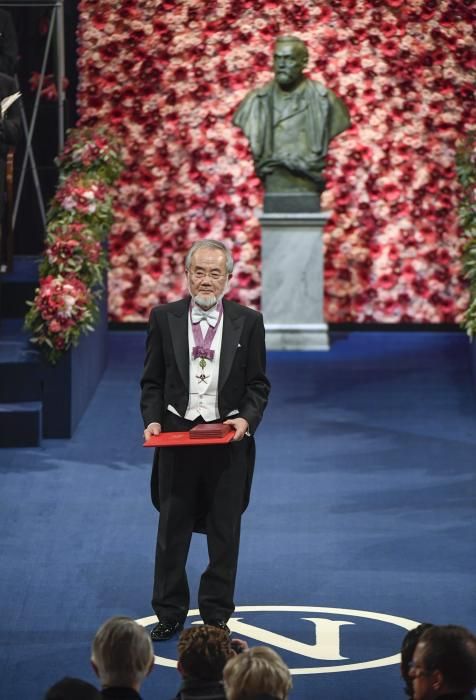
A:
(466, 169)
(83, 197)
(62, 310)
(167, 76)
(79, 218)
(73, 249)
(50, 89)
(91, 151)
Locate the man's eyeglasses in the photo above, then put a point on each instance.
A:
(201, 274)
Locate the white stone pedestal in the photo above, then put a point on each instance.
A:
(292, 281)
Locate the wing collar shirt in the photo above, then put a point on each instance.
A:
(203, 398)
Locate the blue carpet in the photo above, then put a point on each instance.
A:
(363, 500)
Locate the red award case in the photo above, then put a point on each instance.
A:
(185, 439)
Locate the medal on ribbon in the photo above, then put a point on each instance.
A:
(202, 348)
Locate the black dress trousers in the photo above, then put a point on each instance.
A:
(206, 481)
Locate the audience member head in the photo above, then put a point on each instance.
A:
(122, 653)
(444, 662)
(257, 672)
(203, 651)
(72, 689)
(409, 643)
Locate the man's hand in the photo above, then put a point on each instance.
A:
(152, 429)
(240, 425)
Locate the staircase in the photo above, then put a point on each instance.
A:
(20, 366)
(38, 399)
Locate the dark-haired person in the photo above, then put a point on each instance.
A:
(444, 664)
(203, 651)
(72, 689)
(409, 643)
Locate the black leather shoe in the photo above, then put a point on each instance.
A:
(165, 629)
(221, 624)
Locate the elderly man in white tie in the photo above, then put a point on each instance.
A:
(205, 363)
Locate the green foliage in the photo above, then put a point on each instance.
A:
(79, 217)
(466, 171)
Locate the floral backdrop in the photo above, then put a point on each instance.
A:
(167, 75)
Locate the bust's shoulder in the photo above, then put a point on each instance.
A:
(310, 86)
(317, 87)
(261, 91)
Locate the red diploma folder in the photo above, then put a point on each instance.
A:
(184, 440)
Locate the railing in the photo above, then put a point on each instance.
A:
(56, 28)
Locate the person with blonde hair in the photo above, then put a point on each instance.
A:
(122, 657)
(258, 672)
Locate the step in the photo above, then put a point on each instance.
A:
(20, 368)
(13, 329)
(20, 424)
(18, 286)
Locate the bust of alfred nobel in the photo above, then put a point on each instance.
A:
(289, 123)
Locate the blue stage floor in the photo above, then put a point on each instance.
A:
(362, 519)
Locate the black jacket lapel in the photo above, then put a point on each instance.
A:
(178, 324)
(232, 327)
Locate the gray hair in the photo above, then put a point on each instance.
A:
(210, 243)
(122, 652)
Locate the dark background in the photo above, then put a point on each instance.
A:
(31, 25)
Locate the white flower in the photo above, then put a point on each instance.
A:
(69, 203)
(69, 302)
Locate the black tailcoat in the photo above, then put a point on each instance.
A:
(242, 383)
(201, 488)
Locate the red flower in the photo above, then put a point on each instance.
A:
(386, 176)
(387, 281)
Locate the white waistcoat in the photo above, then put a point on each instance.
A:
(203, 397)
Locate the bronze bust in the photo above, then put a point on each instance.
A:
(289, 123)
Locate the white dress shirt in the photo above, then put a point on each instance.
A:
(203, 396)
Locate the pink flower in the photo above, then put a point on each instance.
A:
(180, 77)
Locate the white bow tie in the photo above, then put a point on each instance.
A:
(210, 315)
